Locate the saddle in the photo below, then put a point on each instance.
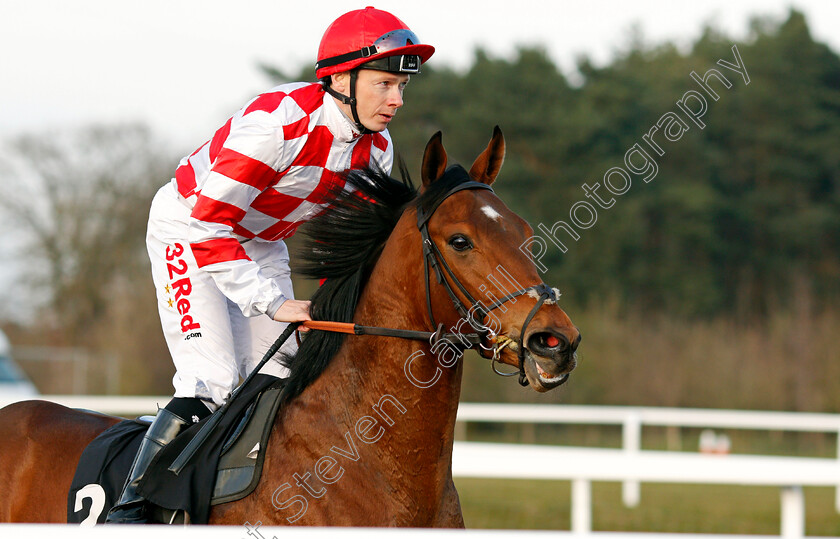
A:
(227, 468)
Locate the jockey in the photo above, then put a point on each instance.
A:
(216, 231)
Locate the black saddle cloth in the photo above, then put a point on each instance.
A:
(106, 461)
(101, 472)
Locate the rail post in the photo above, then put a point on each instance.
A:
(632, 443)
(581, 506)
(837, 494)
(793, 512)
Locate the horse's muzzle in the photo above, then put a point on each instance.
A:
(550, 357)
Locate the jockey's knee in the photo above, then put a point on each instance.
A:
(192, 410)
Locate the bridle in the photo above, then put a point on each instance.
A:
(483, 340)
(488, 344)
(477, 312)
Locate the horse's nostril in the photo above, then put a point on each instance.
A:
(549, 342)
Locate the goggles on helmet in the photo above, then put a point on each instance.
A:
(395, 39)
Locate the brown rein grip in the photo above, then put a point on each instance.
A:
(338, 327)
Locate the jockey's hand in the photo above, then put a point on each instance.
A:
(294, 310)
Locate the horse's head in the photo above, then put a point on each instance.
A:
(473, 245)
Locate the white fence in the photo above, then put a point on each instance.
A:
(630, 464)
(581, 466)
(632, 419)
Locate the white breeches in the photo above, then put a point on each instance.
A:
(212, 343)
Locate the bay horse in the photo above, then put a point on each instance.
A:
(366, 433)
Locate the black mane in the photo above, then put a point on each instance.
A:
(342, 245)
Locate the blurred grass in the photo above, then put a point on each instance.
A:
(665, 508)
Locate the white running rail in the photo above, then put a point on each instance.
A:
(632, 418)
(581, 466)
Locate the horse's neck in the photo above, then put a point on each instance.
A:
(367, 378)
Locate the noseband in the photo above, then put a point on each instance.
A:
(477, 312)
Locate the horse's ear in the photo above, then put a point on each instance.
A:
(434, 160)
(487, 165)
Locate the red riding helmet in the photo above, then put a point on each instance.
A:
(373, 37)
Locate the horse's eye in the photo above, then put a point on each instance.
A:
(459, 242)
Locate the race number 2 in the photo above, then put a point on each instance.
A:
(97, 498)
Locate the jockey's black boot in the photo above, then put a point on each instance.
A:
(131, 508)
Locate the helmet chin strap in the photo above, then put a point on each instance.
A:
(349, 100)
